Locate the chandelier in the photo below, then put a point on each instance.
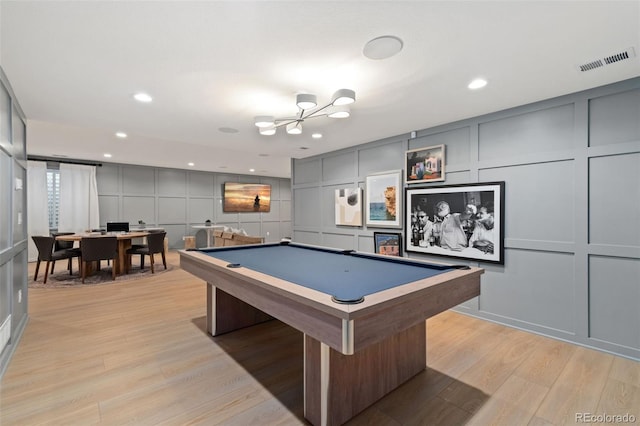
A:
(307, 108)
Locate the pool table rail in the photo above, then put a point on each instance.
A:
(314, 313)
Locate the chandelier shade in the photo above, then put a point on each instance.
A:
(264, 121)
(344, 97)
(267, 131)
(307, 108)
(294, 128)
(338, 112)
(306, 101)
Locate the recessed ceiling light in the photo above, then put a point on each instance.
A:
(227, 130)
(190, 164)
(263, 155)
(252, 170)
(382, 47)
(317, 135)
(121, 135)
(304, 147)
(142, 97)
(107, 155)
(478, 83)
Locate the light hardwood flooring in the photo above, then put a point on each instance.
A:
(137, 353)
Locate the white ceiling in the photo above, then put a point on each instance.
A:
(74, 67)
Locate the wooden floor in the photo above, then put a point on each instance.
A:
(137, 353)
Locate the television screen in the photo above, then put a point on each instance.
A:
(246, 197)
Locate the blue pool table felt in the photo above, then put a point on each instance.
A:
(347, 277)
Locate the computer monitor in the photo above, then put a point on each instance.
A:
(117, 226)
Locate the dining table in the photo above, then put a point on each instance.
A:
(124, 243)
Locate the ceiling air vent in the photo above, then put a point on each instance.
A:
(591, 65)
(608, 60)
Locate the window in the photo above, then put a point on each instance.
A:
(53, 190)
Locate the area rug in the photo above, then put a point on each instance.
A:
(61, 279)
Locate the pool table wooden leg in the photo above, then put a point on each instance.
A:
(227, 313)
(337, 387)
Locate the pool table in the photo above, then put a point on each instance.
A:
(363, 315)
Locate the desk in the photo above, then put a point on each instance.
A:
(124, 242)
(210, 229)
(362, 315)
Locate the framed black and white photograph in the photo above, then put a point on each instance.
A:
(384, 200)
(387, 243)
(460, 221)
(425, 165)
(348, 205)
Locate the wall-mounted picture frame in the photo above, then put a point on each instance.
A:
(388, 243)
(246, 197)
(383, 200)
(348, 206)
(459, 221)
(424, 165)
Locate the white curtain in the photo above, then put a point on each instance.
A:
(79, 209)
(37, 204)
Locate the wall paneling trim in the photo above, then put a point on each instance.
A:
(178, 199)
(572, 224)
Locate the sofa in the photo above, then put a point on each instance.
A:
(223, 239)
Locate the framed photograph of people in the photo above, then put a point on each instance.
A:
(348, 206)
(460, 221)
(387, 243)
(383, 205)
(424, 165)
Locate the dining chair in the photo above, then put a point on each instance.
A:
(95, 249)
(150, 231)
(45, 245)
(65, 245)
(155, 244)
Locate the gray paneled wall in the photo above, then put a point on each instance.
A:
(179, 199)
(572, 210)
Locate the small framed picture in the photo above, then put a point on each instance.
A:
(424, 165)
(348, 206)
(386, 243)
(383, 206)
